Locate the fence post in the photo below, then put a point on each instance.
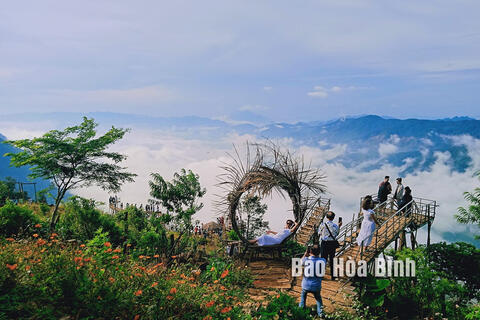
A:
(429, 226)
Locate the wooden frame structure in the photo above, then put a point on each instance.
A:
(264, 169)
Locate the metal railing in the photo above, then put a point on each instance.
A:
(389, 212)
(347, 233)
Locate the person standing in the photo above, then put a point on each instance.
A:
(405, 202)
(328, 233)
(368, 224)
(384, 189)
(312, 281)
(398, 195)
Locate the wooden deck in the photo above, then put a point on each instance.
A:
(275, 274)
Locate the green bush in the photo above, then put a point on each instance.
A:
(16, 220)
(432, 293)
(152, 242)
(232, 235)
(82, 219)
(293, 249)
(282, 306)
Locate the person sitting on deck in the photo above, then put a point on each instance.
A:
(272, 237)
(368, 224)
(311, 281)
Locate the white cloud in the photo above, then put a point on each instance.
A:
(253, 108)
(164, 152)
(384, 149)
(267, 88)
(323, 92)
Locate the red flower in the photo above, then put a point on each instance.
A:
(35, 235)
(38, 225)
(209, 304)
(226, 309)
(169, 298)
(154, 284)
(11, 266)
(138, 292)
(224, 274)
(173, 290)
(136, 317)
(115, 257)
(107, 244)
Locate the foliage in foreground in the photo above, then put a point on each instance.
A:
(471, 214)
(48, 279)
(446, 285)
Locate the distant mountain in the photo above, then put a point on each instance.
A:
(372, 140)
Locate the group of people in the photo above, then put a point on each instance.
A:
(115, 204)
(402, 195)
(329, 230)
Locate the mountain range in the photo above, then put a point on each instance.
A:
(369, 141)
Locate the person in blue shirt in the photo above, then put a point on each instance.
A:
(313, 271)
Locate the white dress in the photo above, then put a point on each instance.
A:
(266, 239)
(367, 229)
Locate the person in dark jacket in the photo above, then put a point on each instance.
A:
(405, 202)
(384, 189)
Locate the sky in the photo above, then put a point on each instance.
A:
(275, 60)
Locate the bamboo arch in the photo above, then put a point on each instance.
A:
(267, 167)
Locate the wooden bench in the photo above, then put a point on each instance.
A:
(254, 250)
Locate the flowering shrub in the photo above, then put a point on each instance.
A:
(45, 278)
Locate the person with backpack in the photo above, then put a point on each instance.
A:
(328, 233)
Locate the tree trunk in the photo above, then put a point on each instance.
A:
(55, 215)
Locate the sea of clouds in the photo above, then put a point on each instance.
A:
(168, 151)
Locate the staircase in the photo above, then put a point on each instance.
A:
(392, 222)
(339, 294)
(312, 221)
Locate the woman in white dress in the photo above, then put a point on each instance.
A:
(368, 224)
(272, 237)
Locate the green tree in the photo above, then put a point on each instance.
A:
(72, 158)
(179, 197)
(252, 211)
(471, 215)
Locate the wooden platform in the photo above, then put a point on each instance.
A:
(276, 274)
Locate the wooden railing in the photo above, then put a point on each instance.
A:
(417, 212)
(321, 203)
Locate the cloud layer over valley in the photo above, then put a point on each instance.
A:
(166, 151)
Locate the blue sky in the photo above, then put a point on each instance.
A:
(282, 60)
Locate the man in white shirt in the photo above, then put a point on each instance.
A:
(328, 233)
(398, 195)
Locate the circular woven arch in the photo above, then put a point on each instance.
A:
(267, 168)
